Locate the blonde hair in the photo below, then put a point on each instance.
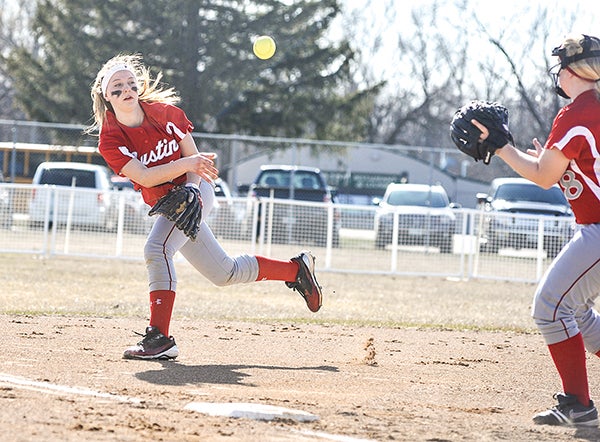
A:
(150, 90)
(587, 68)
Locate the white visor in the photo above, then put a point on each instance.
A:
(112, 71)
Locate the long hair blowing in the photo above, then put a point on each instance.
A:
(150, 89)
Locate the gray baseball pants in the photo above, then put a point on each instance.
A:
(564, 300)
(205, 254)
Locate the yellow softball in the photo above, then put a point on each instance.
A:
(264, 47)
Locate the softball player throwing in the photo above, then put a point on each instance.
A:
(562, 306)
(147, 138)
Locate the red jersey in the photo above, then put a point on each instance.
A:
(576, 132)
(153, 143)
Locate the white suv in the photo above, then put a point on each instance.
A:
(424, 213)
(83, 194)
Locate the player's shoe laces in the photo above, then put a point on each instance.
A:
(306, 282)
(155, 345)
(568, 412)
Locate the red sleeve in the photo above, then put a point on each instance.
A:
(560, 127)
(113, 147)
(172, 118)
(574, 128)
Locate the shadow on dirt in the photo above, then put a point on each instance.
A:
(173, 373)
(591, 434)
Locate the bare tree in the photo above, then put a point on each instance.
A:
(444, 54)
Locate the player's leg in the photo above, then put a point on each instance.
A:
(163, 242)
(207, 193)
(161, 246)
(588, 290)
(210, 259)
(561, 310)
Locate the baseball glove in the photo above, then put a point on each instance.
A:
(183, 206)
(466, 135)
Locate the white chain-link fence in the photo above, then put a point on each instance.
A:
(107, 223)
(61, 220)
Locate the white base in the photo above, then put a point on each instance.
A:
(250, 411)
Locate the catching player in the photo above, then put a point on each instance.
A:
(562, 306)
(146, 138)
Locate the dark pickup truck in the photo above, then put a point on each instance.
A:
(300, 223)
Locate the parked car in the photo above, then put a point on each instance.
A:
(226, 218)
(135, 216)
(425, 216)
(93, 204)
(298, 223)
(508, 197)
(6, 209)
(136, 219)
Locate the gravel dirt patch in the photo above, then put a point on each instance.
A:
(387, 358)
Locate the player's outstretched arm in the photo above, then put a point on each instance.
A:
(189, 149)
(545, 168)
(199, 164)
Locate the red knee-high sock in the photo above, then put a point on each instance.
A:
(569, 359)
(276, 270)
(161, 308)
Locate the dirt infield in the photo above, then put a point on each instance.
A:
(464, 368)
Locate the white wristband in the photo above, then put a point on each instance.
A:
(194, 185)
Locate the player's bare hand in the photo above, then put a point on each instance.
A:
(202, 164)
(538, 148)
(484, 130)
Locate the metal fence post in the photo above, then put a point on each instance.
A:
(13, 157)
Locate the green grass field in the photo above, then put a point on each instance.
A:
(107, 287)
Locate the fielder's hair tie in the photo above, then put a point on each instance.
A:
(112, 71)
